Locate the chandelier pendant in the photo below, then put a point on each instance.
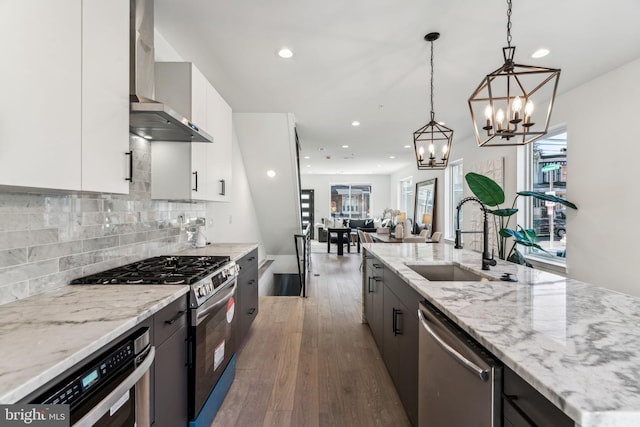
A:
(432, 142)
(513, 104)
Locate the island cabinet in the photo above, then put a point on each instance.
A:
(400, 348)
(247, 293)
(374, 276)
(524, 406)
(65, 95)
(390, 307)
(169, 405)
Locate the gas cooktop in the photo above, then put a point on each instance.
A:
(170, 270)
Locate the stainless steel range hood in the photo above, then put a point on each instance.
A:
(148, 118)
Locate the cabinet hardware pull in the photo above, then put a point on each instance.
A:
(511, 400)
(196, 187)
(252, 310)
(482, 373)
(377, 266)
(223, 188)
(174, 318)
(369, 285)
(251, 282)
(130, 154)
(396, 330)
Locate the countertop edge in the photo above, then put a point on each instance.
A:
(32, 385)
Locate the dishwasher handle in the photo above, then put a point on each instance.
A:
(103, 407)
(483, 374)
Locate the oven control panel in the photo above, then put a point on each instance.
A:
(84, 382)
(205, 288)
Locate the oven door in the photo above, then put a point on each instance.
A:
(213, 326)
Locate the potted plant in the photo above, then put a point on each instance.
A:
(492, 195)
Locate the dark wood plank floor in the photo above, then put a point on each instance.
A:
(310, 362)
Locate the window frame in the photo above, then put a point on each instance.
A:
(525, 215)
(449, 197)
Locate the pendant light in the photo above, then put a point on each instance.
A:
(432, 142)
(512, 105)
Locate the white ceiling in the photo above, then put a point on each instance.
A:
(366, 60)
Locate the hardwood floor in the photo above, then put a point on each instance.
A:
(310, 362)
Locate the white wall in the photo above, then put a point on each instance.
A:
(321, 184)
(267, 142)
(603, 152)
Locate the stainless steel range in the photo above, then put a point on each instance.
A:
(212, 324)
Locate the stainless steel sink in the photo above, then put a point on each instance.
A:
(447, 273)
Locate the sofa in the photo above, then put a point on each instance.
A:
(366, 224)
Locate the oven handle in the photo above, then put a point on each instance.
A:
(212, 304)
(103, 407)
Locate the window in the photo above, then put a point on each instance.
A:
(405, 197)
(454, 187)
(350, 201)
(548, 166)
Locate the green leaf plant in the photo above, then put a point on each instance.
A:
(492, 195)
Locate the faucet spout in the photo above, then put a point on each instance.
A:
(487, 259)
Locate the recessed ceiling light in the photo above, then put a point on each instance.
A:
(285, 53)
(540, 53)
(147, 137)
(407, 146)
(355, 123)
(345, 146)
(307, 157)
(441, 123)
(392, 157)
(271, 173)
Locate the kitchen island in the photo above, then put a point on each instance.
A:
(577, 344)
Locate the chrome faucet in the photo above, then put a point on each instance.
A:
(486, 259)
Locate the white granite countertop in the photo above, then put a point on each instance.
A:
(234, 250)
(44, 335)
(577, 344)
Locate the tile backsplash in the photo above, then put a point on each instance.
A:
(46, 240)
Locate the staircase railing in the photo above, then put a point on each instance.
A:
(303, 247)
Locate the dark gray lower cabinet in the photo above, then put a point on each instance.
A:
(170, 366)
(247, 294)
(524, 406)
(391, 307)
(374, 298)
(400, 348)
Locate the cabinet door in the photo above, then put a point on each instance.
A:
(401, 336)
(247, 293)
(219, 123)
(171, 173)
(105, 95)
(393, 322)
(374, 300)
(40, 85)
(171, 387)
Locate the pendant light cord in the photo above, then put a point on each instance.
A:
(509, 23)
(432, 113)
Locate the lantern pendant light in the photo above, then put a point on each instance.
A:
(432, 142)
(512, 105)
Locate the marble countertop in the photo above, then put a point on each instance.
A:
(234, 250)
(46, 334)
(577, 344)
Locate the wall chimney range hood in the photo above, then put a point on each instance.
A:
(148, 118)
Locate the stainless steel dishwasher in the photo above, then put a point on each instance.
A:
(460, 384)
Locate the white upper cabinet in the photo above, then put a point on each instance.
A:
(220, 116)
(105, 96)
(64, 86)
(192, 171)
(40, 111)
